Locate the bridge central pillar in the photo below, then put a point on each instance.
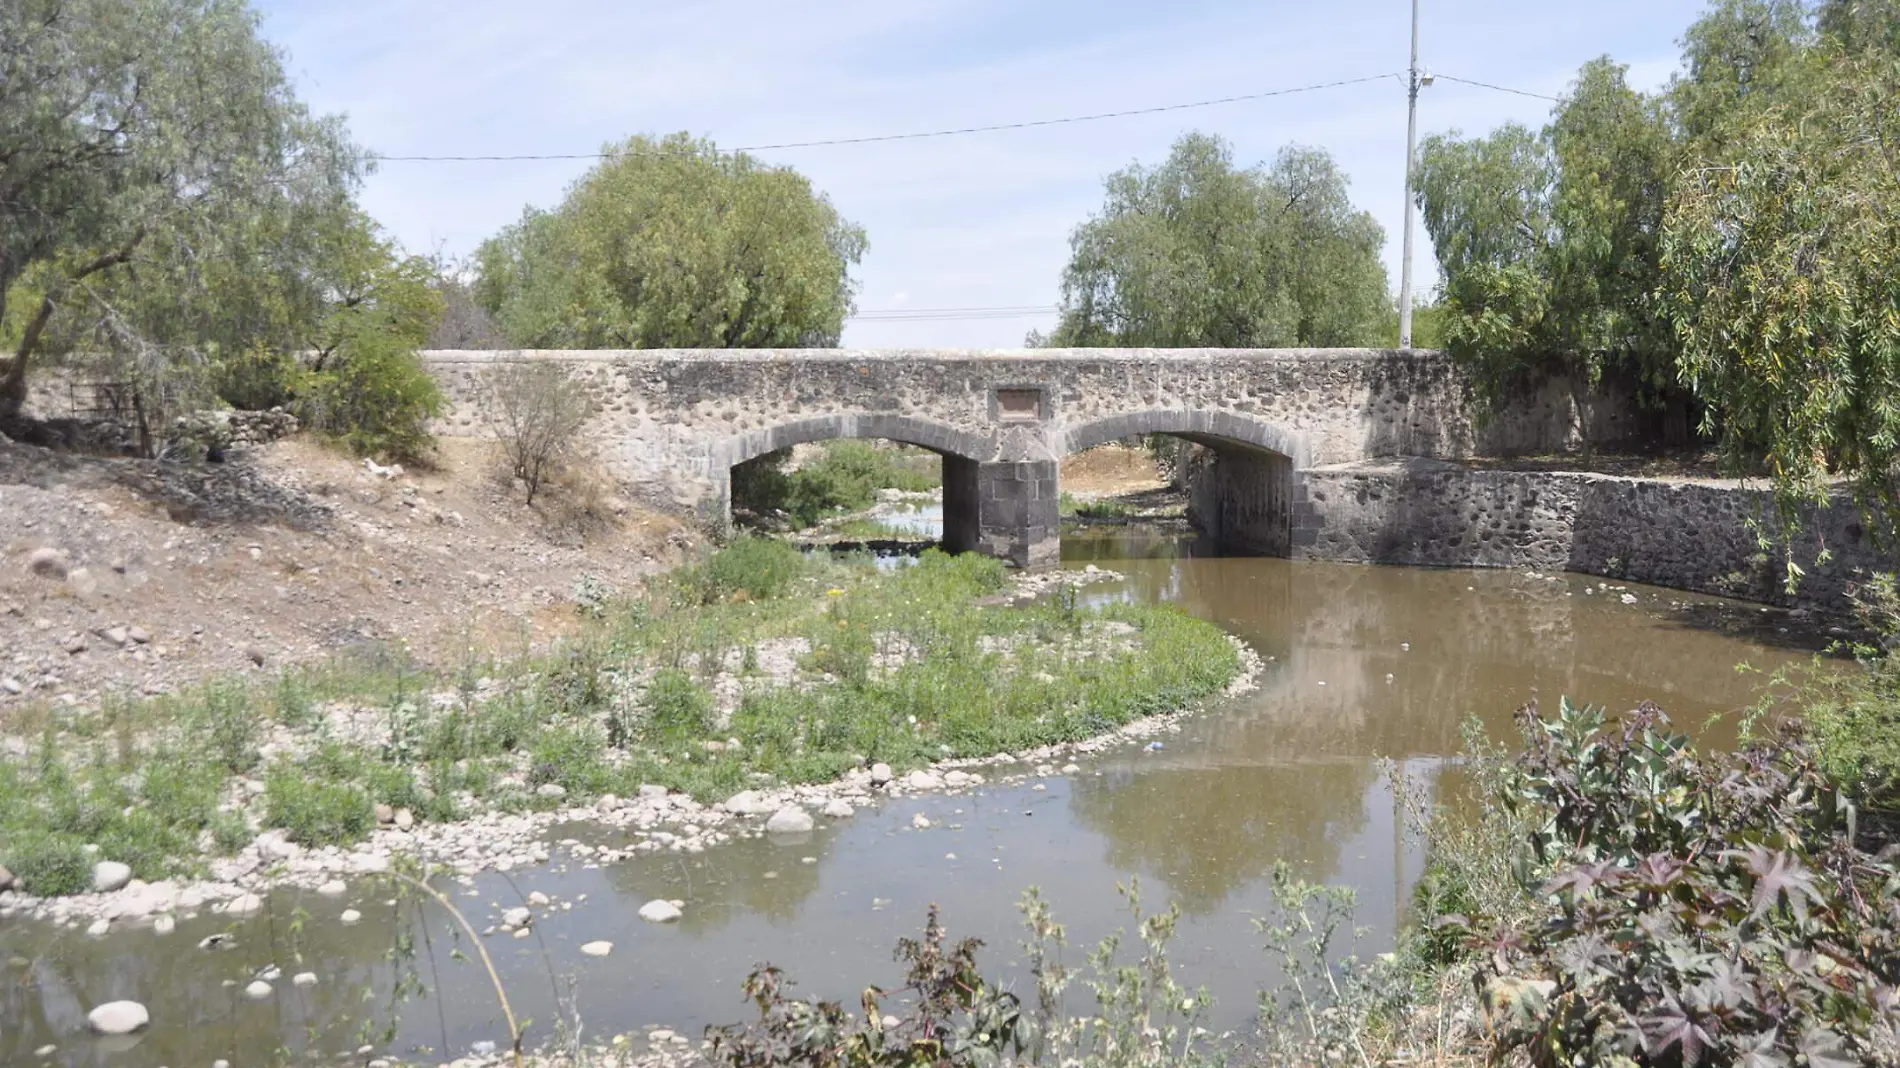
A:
(1006, 509)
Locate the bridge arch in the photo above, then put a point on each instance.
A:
(1241, 490)
(965, 455)
(1215, 429)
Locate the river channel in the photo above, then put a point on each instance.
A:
(1361, 663)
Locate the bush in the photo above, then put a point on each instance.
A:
(376, 398)
(1854, 715)
(1695, 910)
(677, 707)
(315, 811)
(535, 410)
(49, 865)
(757, 569)
(257, 379)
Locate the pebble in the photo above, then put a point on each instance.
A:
(45, 1051)
(657, 911)
(350, 916)
(538, 899)
(921, 780)
(333, 888)
(838, 809)
(1071, 769)
(118, 1018)
(304, 979)
(520, 916)
(99, 928)
(553, 790)
(244, 905)
(164, 925)
(920, 821)
(748, 803)
(880, 774)
(789, 820)
(597, 949)
(258, 990)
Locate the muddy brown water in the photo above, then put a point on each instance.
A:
(1362, 663)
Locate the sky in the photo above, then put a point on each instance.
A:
(979, 221)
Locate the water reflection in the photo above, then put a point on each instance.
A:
(1361, 663)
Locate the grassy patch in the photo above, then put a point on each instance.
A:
(755, 666)
(1105, 508)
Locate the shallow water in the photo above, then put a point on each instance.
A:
(1361, 663)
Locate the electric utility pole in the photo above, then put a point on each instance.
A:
(1411, 207)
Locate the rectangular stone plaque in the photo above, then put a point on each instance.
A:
(1018, 405)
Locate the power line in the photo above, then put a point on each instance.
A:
(956, 132)
(1497, 88)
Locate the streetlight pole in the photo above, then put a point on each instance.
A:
(1411, 207)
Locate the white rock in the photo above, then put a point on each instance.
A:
(304, 979)
(551, 790)
(960, 779)
(538, 899)
(333, 888)
(244, 905)
(923, 780)
(880, 774)
(519, 916)
(920, 821)
(607, 803)
(659, 912)
(405, 819)
(650, 791)
(748, 803)
(597, 949)
(838, 809)
(789, 820)
(258, 990)
(350, 916)
(164, 925)
(1076, 769)
(99, 928)
(118, 1018)
(110, 875)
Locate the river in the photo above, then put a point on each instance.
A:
(1361, 663)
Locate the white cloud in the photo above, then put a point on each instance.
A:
(974, 221)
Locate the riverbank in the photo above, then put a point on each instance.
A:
(757, 684)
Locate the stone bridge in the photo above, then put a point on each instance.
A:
(671, 424)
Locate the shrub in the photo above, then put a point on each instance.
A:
(257, 379)
(1854, 715)
(315, 811)
(377, 399)
(535, 410)
(1696, 910)
(758, 569)
(49, 865)
(677, 707)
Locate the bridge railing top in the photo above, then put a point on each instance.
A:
(918, 355)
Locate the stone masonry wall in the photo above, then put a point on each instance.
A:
(1687, 535)
(671, 422)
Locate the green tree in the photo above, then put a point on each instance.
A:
(1782, 277)
(157, 138)
(673, 244)
(1548, 242)
(1199, 252)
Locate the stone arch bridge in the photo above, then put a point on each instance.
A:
(671, 424)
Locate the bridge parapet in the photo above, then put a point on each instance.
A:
(672, 423)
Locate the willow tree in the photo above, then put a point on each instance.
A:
(673, 244)
(153, 136)
(1198, 251)
(1549, 242)
(1782, 277)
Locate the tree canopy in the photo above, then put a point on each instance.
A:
(1725, 242)
(160, 184)
(1198, 251)
(673, 244)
